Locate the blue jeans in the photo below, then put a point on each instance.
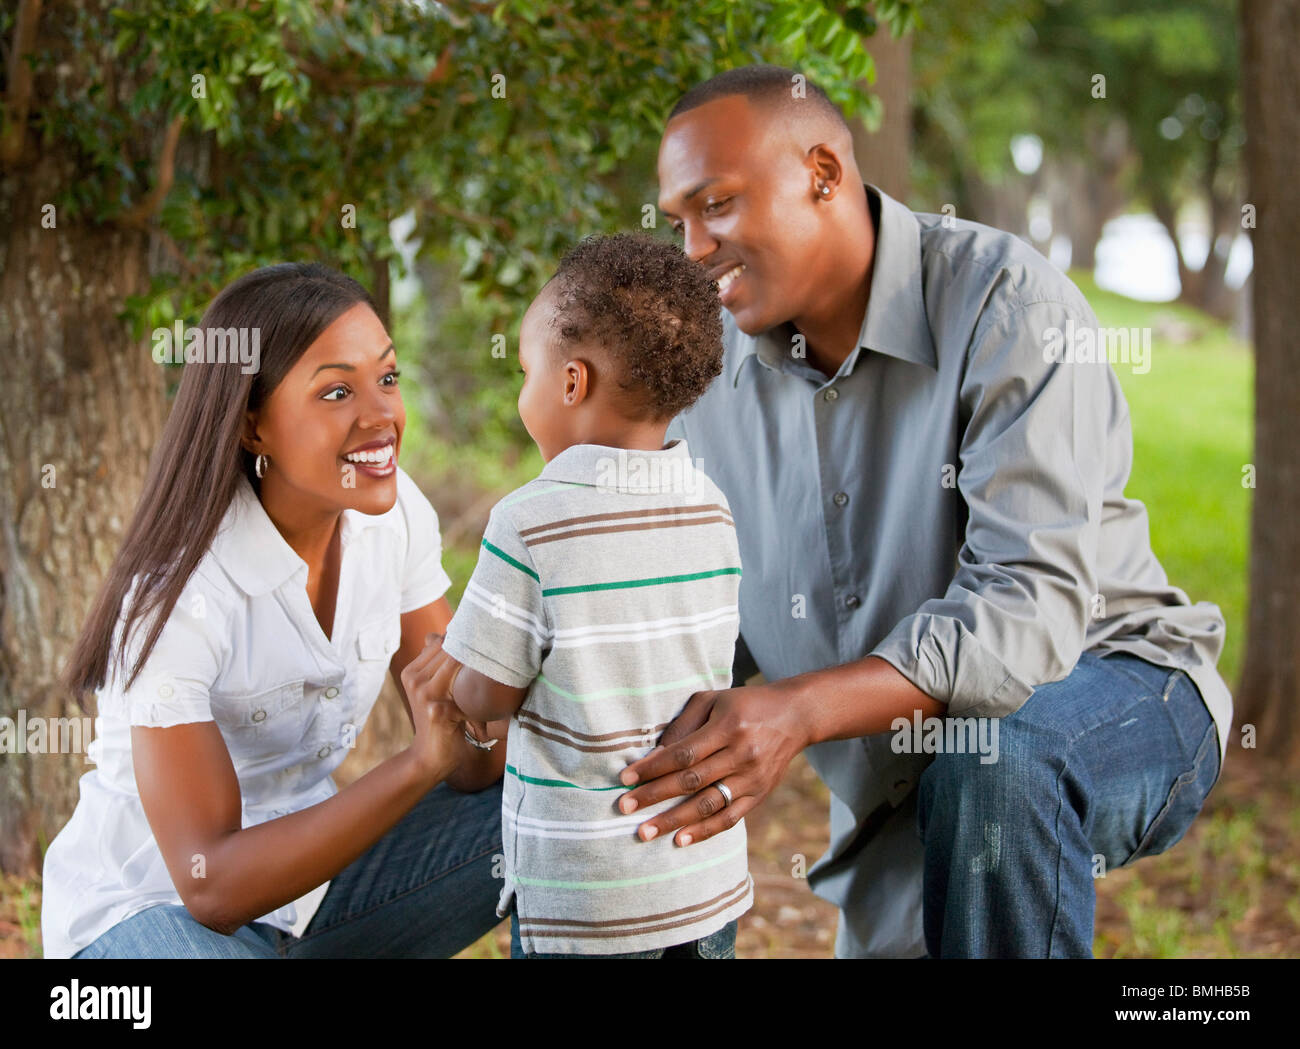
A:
(1095, 771)
(424, 890)
(721, 944)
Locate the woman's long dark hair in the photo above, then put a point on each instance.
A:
(196, 466)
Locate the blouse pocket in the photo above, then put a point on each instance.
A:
(376, 643)
(380, 639)
(262, 724)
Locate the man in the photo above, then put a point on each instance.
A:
(927, 487)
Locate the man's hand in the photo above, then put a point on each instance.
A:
(746, 737)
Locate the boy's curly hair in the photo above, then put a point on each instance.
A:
(653, 311)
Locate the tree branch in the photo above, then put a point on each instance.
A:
(139, 216)
(18, 97)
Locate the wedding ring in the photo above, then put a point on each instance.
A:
(726, 794)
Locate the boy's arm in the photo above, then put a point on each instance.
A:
(480, 698)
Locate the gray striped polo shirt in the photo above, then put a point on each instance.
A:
(608, 587)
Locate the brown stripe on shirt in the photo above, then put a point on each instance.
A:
(630, 528)
(622, 926)
(529, 715)
(657, 511)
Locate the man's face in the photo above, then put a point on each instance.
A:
(739, 192)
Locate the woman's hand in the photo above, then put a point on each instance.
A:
(439, 743)
(745, 736)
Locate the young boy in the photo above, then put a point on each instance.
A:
(604, 596)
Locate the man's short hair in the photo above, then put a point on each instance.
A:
(766, 87)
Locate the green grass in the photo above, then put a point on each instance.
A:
(1193, 431)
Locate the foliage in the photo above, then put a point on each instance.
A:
(986, 73)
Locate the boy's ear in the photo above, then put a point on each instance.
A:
(248, 437)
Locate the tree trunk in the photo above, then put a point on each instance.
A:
(1269, 694)
(1087, 193)
(884, 156)
(81, 407)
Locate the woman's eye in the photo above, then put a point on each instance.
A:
(713, 205)
(337, 389)
(391, 375)
(521, 371)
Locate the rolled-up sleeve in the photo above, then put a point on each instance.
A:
(1032, 471)
(173, 686)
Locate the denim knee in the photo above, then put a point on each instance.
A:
(1026, 758)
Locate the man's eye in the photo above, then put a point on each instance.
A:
(521, 371)
(713, 205)
(337, 389)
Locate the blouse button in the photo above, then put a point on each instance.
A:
(324, 751)
(331, 692)
(165, 691)
(259, 715)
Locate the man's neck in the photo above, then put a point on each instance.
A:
(831, 328)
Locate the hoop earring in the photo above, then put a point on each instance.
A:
(259, 466)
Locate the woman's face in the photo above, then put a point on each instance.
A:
(333, 426)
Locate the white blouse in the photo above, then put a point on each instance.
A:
(244, 649)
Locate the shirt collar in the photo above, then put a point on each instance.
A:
(895, 323)
(623, 469)
(254, 553)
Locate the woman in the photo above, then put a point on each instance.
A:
(278, 563)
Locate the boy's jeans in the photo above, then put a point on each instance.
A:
(424, 890)
(1095, 771)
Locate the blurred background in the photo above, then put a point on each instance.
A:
(446, 155)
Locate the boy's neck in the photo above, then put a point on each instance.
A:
(644, 437)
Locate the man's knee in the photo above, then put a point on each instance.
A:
(1018, 762)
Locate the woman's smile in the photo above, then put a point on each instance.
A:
(374, 459)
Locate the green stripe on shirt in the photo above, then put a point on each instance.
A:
(557, 782)
(649, 690)
(623, 883)
(626, 583)
(510, 560)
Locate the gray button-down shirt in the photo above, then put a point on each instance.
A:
(952, 501)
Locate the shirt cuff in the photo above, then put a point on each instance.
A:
(942, 658)
(427, 593)
(486, 665)
(156, 703)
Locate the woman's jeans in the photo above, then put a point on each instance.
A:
(425, 890)
(1094, 771)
